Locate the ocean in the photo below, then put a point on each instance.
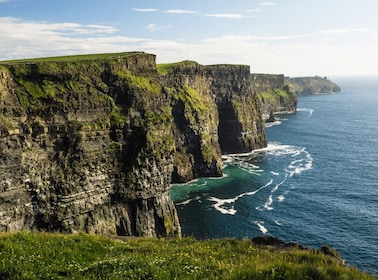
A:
(315, 184)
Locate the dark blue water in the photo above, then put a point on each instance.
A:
(316, 183)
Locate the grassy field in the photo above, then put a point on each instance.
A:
(70, 58)
(82, 256)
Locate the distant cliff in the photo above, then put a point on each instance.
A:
(92, 143)
(312, 85)
(274, 93)
(215, 111)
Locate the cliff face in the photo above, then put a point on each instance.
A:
(274, 93)
(86, 145)
(92, 143)
(241, 127)
(195, 122)
(215, 111)
(312, 85)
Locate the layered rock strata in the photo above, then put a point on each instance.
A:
(92, 143)
(86, 145)
(274, 93)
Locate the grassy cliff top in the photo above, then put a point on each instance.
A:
(82, 256)
(72, 58)
(165, 68)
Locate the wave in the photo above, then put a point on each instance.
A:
(300, 160)
(268, 204)
(309, 111)
(261, 227)
(219, 203)
(186, 202)
(270, 124)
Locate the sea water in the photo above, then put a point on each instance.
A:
(316, 183)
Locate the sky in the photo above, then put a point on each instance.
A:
(291, 37)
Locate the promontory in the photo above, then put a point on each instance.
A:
(92, 143)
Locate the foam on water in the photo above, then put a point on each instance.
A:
(309, 111)
(270, 124)
(219, 203)
(261, 227)
(267, 205)
(333, 201)
(301, 161)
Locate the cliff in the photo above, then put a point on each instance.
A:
(92, 143)
(274, 93)
(312, 85)
(217, 111)
(86, 144)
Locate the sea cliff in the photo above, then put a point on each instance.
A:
(312, 85)
(274, 93)
(92, 143)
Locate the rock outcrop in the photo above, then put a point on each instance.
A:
(312, 85)
(275, 95)
(92, 143)
(86, 145)
(215, 110)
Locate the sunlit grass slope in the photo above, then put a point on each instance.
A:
(81, 256)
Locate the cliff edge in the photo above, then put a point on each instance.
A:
(312, 85)
(86, 145)
(275, 95)
(92, 143)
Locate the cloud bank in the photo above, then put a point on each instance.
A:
(290, 54)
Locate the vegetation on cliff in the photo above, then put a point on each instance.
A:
(312, 85)
(97, 139)
(82, 256)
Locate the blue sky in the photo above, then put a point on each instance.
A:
(292, 37)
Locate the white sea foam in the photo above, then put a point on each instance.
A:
(244, 161)
(270, 124)
(185, 202)
(268, 204)
(281, 198)
(277, 223)
(310, 112)
(275, 173)
(279, 184)
(261, 227)
(220, 203)
(297, 166)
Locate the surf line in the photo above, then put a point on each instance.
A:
(219, 203)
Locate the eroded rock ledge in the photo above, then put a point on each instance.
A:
(92, 143)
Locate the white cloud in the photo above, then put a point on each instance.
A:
(154, 27)
(231, 16)
(4, 1)
(256, 10)
(143, 10)
(180, 12)
(22, 39)
(292, 55)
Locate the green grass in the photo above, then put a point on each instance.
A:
(81, 256)
(275, 94)
(70, 58)
(167, 68)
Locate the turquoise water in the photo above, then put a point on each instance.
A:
(316, 183)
